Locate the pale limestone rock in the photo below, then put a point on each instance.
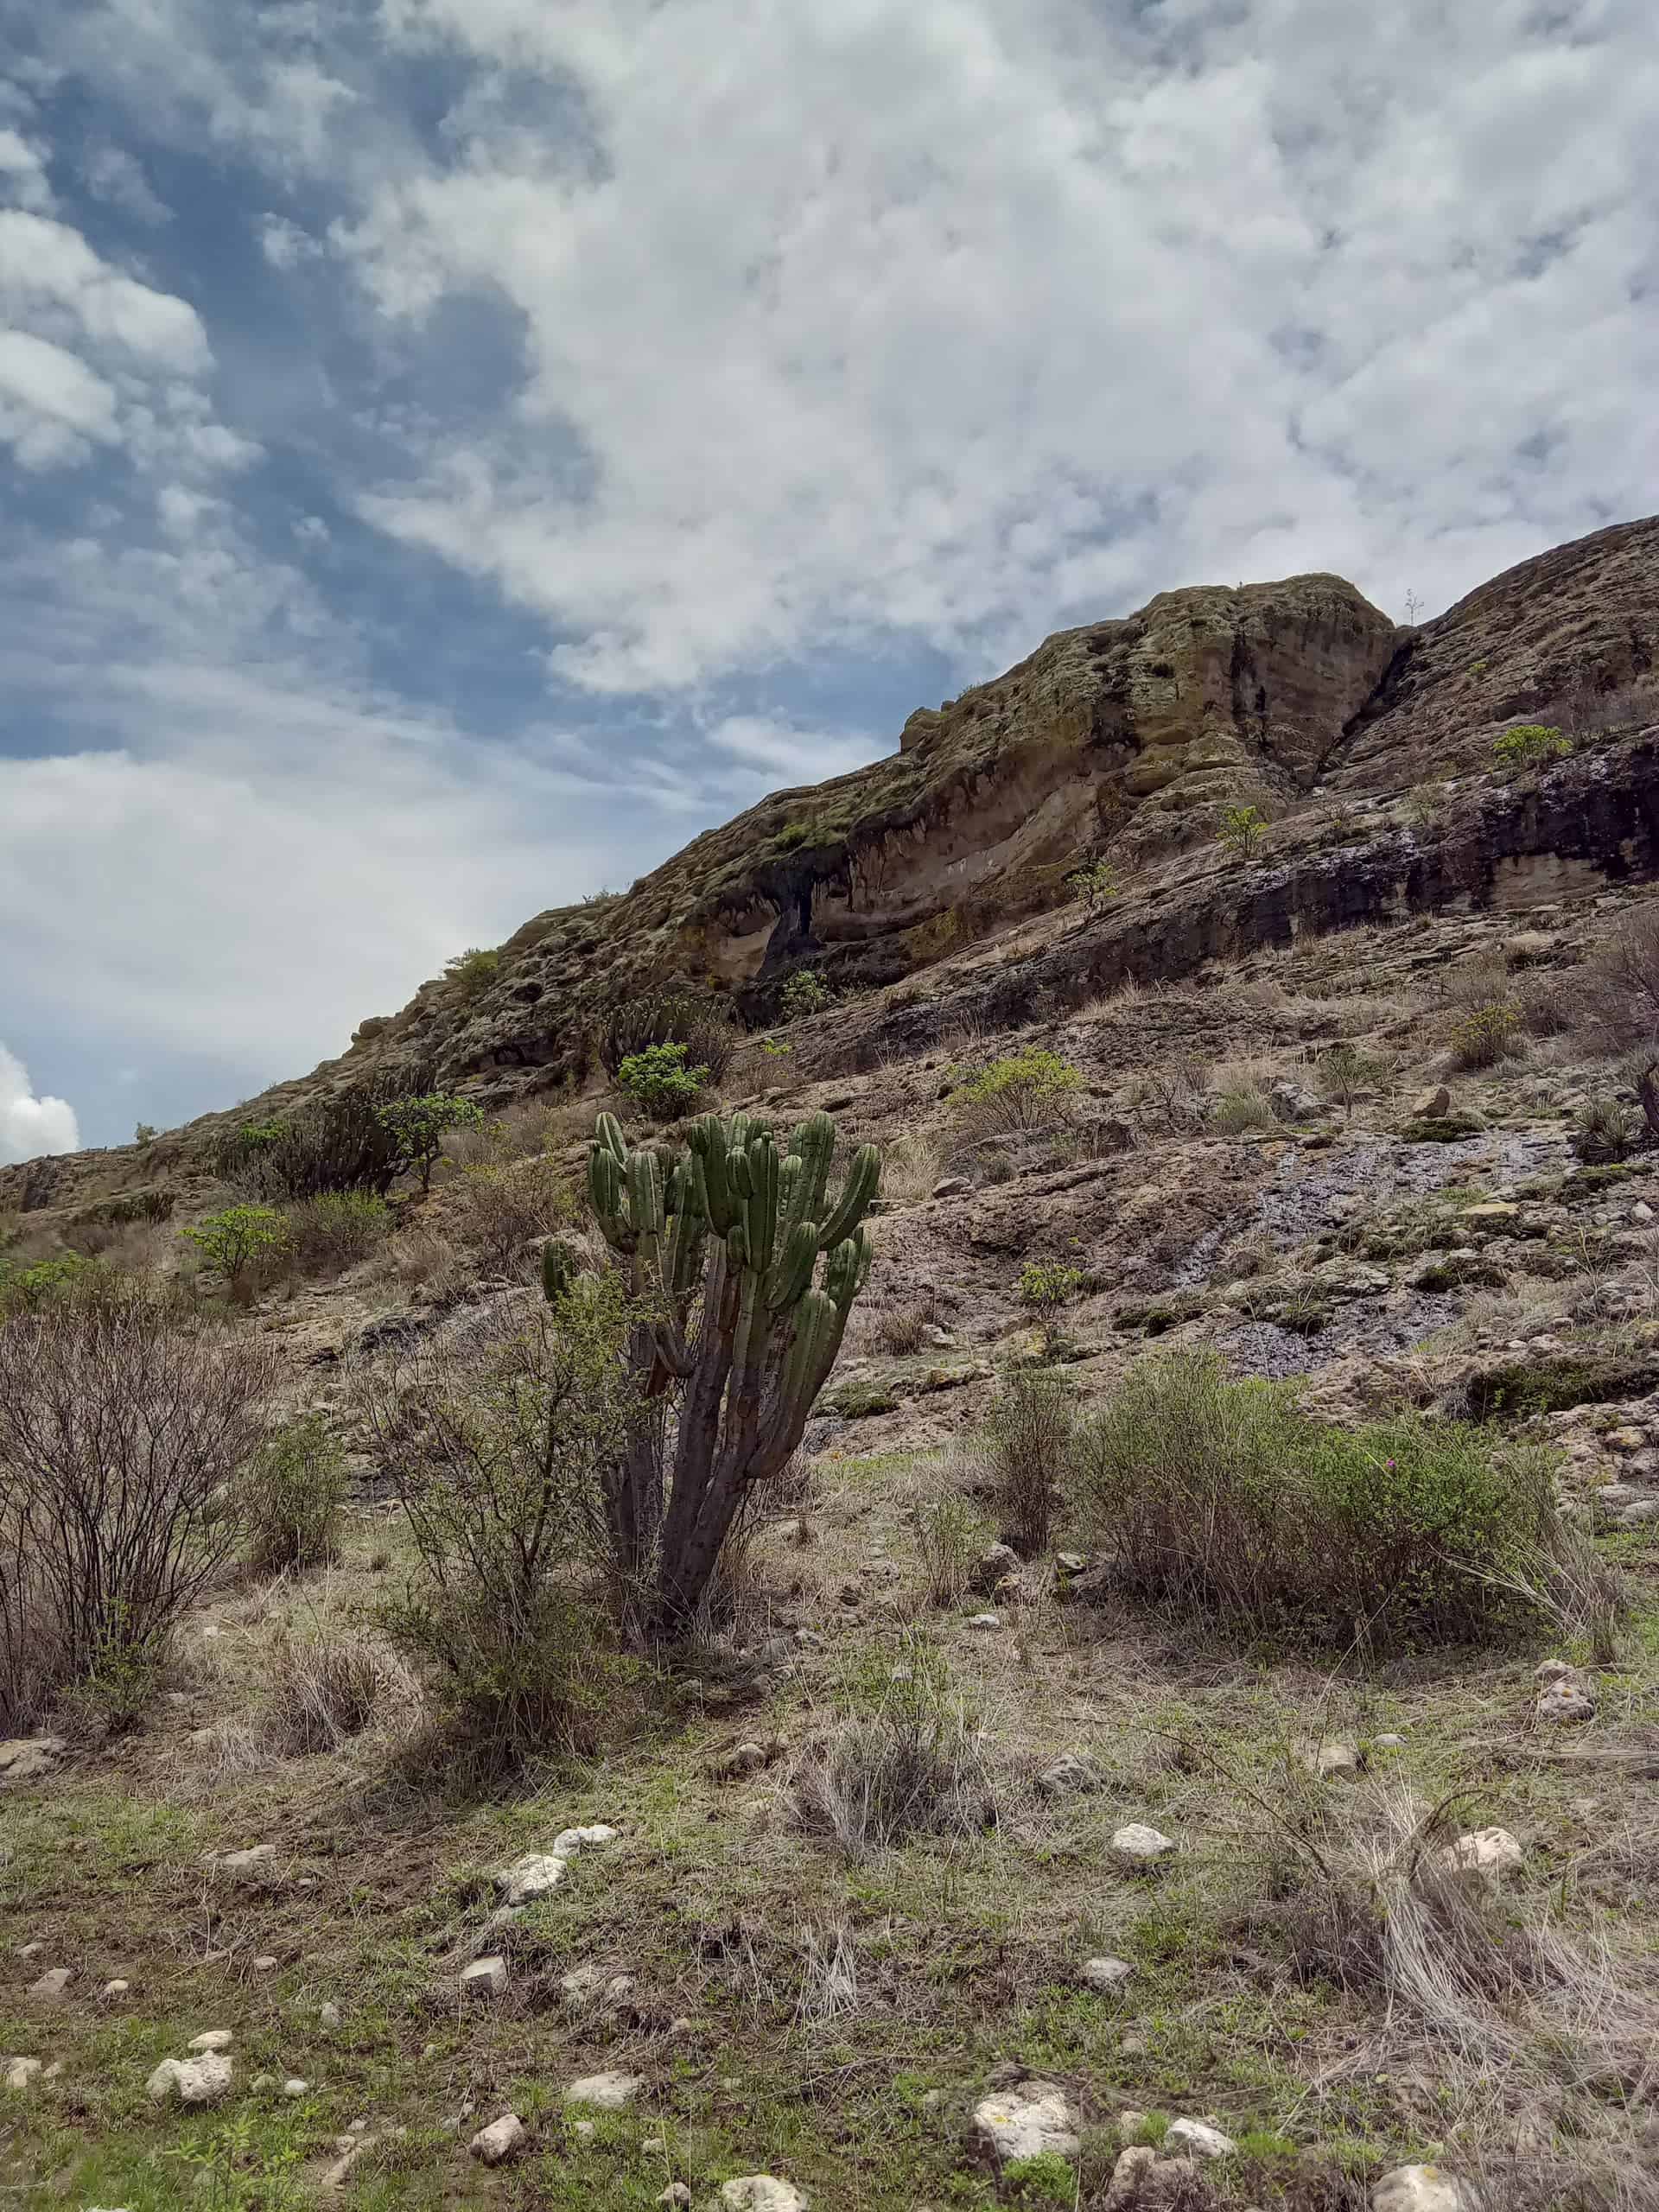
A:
(988, 1624)
(502, 2139)
(21, 2072)
(536, 1875)
(1566, 1700)
(569, 1841)
(296, 2086)
(193, 2081)
(611, 2092)
(212, 2039)
(484, 1978)
(1493, 1852)
(1417, 2189)
(1199, 2139)
(1132, 2166)
(30, 1758)
(1137, 1845)
(53, 1983)
(760, 2193)
(1336, 1761)
(1026, 2121)
(1106, 1973)
(1069, 1777)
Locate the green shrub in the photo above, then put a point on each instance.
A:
(26, 1289)
(417, 1126)
(292, 1496)
(1243, 829)
(1027, 1090)
(659, 1081)
(472, 972)
(338, 1142)
(1488, 1034)
(1049, 1282)
(1228, 1501)
(910, 1761)
(794, 835)
(1095, 883)
(804, 994)
(950, 1536)
(146, 1133)
(240, 1242)
(1530, 744)
(1606, 1129)
(336, 1229)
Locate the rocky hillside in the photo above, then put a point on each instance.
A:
(1367, 746)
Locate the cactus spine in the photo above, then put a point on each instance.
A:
(724, 1245)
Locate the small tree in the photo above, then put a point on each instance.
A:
(804, 994)
(146, 1133)
(722, 1242)
(1530, 744)
(239, 1239)
(472, 972)
(1243, 829)
(1095, 883)
(418, 1127)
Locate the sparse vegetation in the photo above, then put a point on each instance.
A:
(336, 1229)
(950, 1536)
(1344, 1074)
(702, 1024)
(239, 1242)
(291, 1498)
(418, 1125)
(1028, 1436)
(1606, 1129)
(1048, 1283)
(1488, 1034)
(804, 994)
(1095, 884)
(470, 974)
(146, 1133)
(339, 1142)
(1243, 829)
(1242, 1107)
(1530, 744)
(1025, 1091)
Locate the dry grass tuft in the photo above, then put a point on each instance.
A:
(328, 1685)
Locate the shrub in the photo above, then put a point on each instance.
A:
(794, 835)
(292, 1498)
(1227, 1500)
(471, 973)
(336, 1143)
(417, 1126)
(950, 1536)
(912, 1766)
(322, 1688)
(1028, 1436)
(26, 1289)
(1344, 1074)
(240, 1242)
(500, 1444)
(336, 1229)
(1619, 984)
(495, 1212)
(1606, 1129)
(804, 994)
(1026, 1091)
(1245, 1106)
(659, 1081)
(1487, 1034)
(121, 1426)
(146, 1133)
(1530, 744)
(1049, 1282)
(1095, 883)
(1243, 829)
(704, 1026)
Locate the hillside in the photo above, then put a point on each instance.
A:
(1359, 1111)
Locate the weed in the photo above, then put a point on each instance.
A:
(1028, 1436)
(912, 1766)
(1048, 1283)
(291, 1496)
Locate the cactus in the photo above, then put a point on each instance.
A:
(736, 1338)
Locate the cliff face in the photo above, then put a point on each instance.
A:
(1124, 739)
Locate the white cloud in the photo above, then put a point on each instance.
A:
(944, 316)
(113, 175)
(53, 408)
(22, 171)
(285, 245)
(30, 1125)
(46, 266)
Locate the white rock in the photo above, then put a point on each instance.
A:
(113, 1992)
(328, 2013)
(1566, 1700)
(296, 2086)
(52, 1984)
(535, 1875)
(26, 1759)
(193, 2081)
(264, 1963)
(247, 1862)
(1132, 2166)
(499, 2140)
(1483, 1851)
(1025, 2122)
(484, 1978)
(212, 2039)
(1390, 1743)
(30, 1950)
(605, 2092)
(986, 1622)
(759, 2193)
(1106, 1973)
(1417, 2189)
(1070, 1562)
(1141, 1846)
(1198, 2137)
(676, 2195)
(584, 2130)
(1547, 1670)
(21, 2072)
(569, 1841)
(1335, 1762)
(1641, 1211)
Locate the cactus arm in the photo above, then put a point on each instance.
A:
(815, 1143)
(858, 1192)
(791, 1274)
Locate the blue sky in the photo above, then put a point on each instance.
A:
(454, 450)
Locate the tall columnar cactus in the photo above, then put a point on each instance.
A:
(738, 1334)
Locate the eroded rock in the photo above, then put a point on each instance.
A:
(1026, 2121)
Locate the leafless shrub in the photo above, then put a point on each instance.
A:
(910, 1168)
(122, 1425)
(1028, 1438)
(335, 1229)
(1173, 1101)
(224, 1751)
(828, 1976)
(494, 1211)
(950, 1536)
(1619, 986)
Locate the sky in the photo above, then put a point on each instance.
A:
(452, 451)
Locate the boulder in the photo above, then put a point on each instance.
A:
(760, 2193)
(30, 1758)
(1432, 1105)
(21, 2072)
(1132, 2169)
(1069, 1777)
(51, 1985)
(212, 2039)
(1491, 1852)
(536, 1875)
(1566, 1700)
(193, 2081)
(502, 2139)
(484, 1978)
(986, 1623)
(1026, 2121)
(992, 1568)
(1336, 1761)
